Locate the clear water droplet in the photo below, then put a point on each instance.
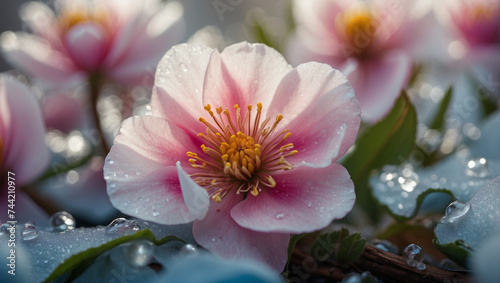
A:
(140, 253)
(183, 67)
(189, 249)
(4, 229)
(62, 221)
(386, 246)
(413, 255)
(477, 167)
(156, 213)
(421, 266)
(110, 161)
(29, 232)
(352, 277)
(122, 226)
(280, 216)
(455, 211)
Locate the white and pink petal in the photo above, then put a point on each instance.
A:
(220, 234)
(22, 131)
(141, 173)
(305, 199)
(320, 110)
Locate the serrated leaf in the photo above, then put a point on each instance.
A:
(339, 245)
(439, 118)
(389, 141)
(92, 253)
(351, 248)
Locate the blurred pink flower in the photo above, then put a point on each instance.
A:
(474, 30)
(121, 39)
(22, 141)
(248, 177)
(63, 112)
(370, 41)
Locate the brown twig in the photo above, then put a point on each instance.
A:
(386, 266)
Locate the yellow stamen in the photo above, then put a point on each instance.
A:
(243, 152)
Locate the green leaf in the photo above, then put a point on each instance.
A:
(389, 141)
(83, 258)
(438, 121)
(456, 251)
(291, 245)
(339, 245)
(351, 248)
(420, 199)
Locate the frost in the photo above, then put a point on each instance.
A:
(49, 249)
(450, 175)
(480, 222)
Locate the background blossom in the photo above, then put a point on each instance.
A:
(122, 40)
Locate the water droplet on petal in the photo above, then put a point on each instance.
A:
(62, 221)
(156, 213)
(140, 253)
(280, 216)
(413, 255)
(455, 211)
(477, 167)
(183, 67)
(122, 226)
(29, 232)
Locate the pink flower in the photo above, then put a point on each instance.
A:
(474, 30)
(370, 41)
(122, 39)
(248, 177)
(22, 142)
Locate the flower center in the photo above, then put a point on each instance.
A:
(242, 153)
(74, 15)
(359, 27)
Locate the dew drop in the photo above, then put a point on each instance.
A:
(189, 249)
(477, 167)
(455, 211)
(140, 253)
(183, 67)
(413, 255)
(280, 216)
(122, 226)
(352, 277)
(29, 232)
(386, 246)
(4, 229)
(110, 161)
(156, 213)
(62, 221)
(421, 266)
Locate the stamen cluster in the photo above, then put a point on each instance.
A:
(242, 153)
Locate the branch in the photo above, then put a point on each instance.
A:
(386, 266)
